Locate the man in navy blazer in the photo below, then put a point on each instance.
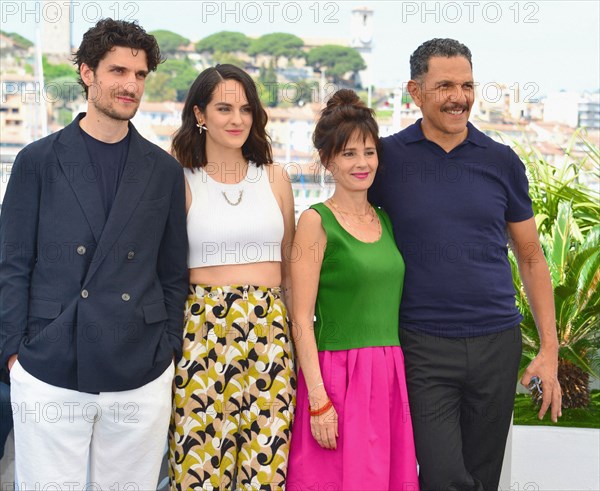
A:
(93, 280)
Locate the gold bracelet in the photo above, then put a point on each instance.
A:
(318, 385)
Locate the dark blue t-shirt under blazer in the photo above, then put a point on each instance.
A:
(450, 213)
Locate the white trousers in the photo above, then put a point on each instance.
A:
(70, 440)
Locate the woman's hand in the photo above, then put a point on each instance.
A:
(324, 427)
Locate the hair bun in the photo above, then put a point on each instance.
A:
(344, 97)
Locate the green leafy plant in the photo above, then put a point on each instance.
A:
(550, 185)
(567, 215)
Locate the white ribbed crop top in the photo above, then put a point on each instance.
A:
(222, 232)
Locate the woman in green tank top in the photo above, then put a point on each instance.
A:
(352, 429)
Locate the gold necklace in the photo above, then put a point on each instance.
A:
(357, 233)
(361, 217)
(238, 200)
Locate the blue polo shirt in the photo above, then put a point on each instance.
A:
(449, 212)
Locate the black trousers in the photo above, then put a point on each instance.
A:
(461, 393)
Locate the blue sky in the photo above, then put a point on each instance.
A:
(550, 45)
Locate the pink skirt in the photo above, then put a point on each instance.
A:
(375, 449)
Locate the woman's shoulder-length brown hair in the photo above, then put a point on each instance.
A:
(189, 147)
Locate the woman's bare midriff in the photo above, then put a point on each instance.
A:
(257, 274)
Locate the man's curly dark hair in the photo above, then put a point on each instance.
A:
(107, 34)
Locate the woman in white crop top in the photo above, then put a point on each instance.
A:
(234, 387)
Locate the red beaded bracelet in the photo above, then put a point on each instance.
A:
(317, 412)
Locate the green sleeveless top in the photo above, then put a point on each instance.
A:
(360, 286)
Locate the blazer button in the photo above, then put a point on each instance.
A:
(125, 297)
(81, 250)
(130, 255)
(84, 294)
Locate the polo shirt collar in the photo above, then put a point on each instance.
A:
(414, 133)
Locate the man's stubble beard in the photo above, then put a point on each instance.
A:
(112, 113)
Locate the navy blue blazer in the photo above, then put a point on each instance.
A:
(92, 303)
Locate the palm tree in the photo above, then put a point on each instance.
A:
(575, 271)
(568, 219)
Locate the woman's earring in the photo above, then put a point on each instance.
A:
(201, 127)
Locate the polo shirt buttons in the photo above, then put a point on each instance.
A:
(125, 297)
(130, 255)
(84, 294)
(81, 250)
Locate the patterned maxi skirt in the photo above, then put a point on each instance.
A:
(234, 392)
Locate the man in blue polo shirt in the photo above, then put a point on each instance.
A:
(457, 199)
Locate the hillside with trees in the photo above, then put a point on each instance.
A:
(274, 60)
(169, 42)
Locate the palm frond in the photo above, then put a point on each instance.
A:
(567, 215)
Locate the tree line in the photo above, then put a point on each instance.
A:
(175, 76)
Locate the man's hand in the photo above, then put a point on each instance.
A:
(11, 361)
(545, 367)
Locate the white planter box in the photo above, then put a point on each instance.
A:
(545, 458)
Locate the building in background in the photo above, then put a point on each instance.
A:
(57, 32)
(588, 111)
(362, 40)
(562, 107)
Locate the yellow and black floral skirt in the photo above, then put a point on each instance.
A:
(234, 392)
